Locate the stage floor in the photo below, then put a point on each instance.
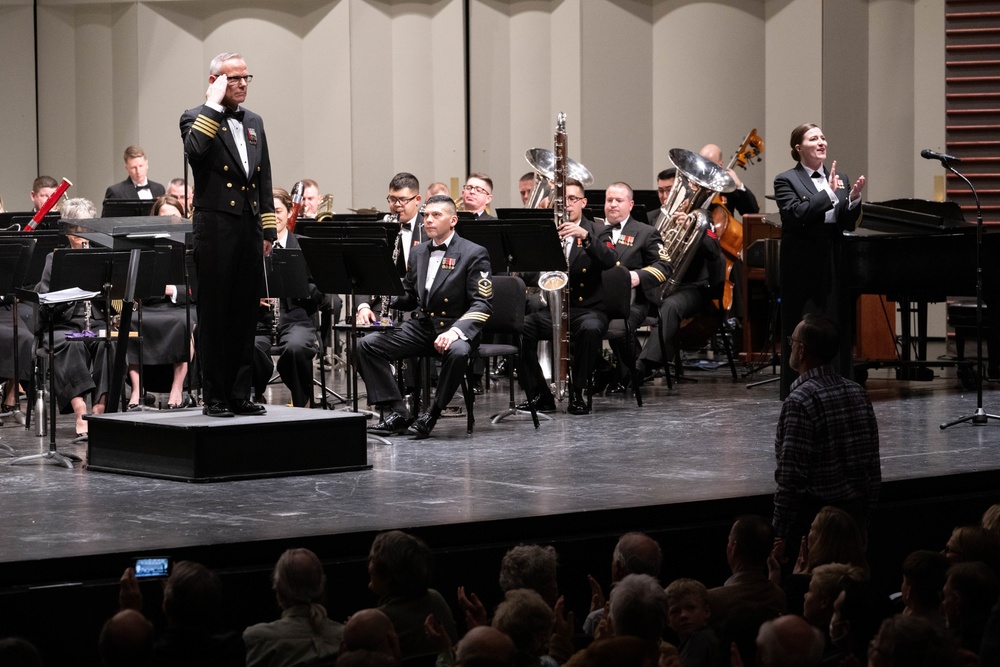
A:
(712, 439)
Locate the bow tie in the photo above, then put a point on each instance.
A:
(613, 225)
(407, 226)
(439, 248)
(817, 174)
(276, 245)
(238, 114)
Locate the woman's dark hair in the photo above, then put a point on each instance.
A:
(797, 135)
(403, 561)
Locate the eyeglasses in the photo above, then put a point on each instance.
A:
(475, 188)
(246, 78)
(572, 199)
(403, 201)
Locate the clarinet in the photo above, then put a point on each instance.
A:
(385, 318)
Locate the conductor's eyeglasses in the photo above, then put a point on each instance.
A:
(246, 78)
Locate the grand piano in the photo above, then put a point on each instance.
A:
(911, 251)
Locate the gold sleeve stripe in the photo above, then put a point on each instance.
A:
(206, 125)
(268, 220)
(478, 317)
(656, 272)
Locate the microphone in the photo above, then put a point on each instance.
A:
(928, 154)
(297, 190)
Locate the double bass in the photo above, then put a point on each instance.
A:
(727, 227)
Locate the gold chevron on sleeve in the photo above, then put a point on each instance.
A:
(206, 125)
(476, 317)
(268, 221)
(659, 275)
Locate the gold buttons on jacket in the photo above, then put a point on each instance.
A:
(440, 324)
(229, 185)
(580, 299)
(432, 314)
(584, 270)
(232, 203)
(225, 167)
(243, 188)
(446, 299)
(618, 263)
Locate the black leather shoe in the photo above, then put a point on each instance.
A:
(578, 406)
(423, 426)
(217, 410)
(542, 404)
(477, 386)
(392, 424)
(501, 371)
(248, 408)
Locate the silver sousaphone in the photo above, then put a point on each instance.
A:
(543, 161)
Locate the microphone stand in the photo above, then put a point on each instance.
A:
(980, 416)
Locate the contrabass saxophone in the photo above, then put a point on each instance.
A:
(555, 284)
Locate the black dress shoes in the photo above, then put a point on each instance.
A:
(578, 406)
(248, 408)
(392, 424)
(544, 403)
(477, 386)
(422, 427)
(217, 410)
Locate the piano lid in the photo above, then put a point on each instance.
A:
(913, 216)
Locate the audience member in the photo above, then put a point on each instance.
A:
(635, 553)
(365, 658)
(370, 630)
(857, 613)
(750, 541)
(825, 585)
(688, 614)
(827, 444)
(192, 604)
(399, 566)
(911, 641)
(531, 566)
(484, 646)
(637, 608)
(622, 652)
(126, 640)
(989, 652)
(924, 574)
(529, 621)
(18, 652)
(789, 641)
(969, 594)
(991, 519)
(973, 543)
(303, 632)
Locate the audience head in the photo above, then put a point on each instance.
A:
(973, 543)
(167, 205)
(18, 652)
(990, 520)
(526, 618)
(825, 585)
(192, 596)
(741, 628)
(371, 630)
(625, 652)
(857, 613)
(924, 574)
(911, 641)
(531, 566)
(687, 607)
(789, 641)
(814, 342)
(750, 542)
(969, 594)
(638, 608)
(636, 553)
(483, 646)
(835, 537)
(365, 658)
(126, 640)
(399, 565)
(298, 578)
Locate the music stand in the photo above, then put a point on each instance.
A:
(126, 208)
(517, 245)
(9, 219)
(349, 266)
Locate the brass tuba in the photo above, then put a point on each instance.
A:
(698, 181)
(324, 211)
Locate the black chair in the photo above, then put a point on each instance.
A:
(617, 285)
(507, 318)
(692, 335)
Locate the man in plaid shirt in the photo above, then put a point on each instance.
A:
(827, 438)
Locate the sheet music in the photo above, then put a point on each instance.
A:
(66, 295)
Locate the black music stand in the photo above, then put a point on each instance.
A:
(15, 221)
(520, 245)
(980, 417)
(349, 266)
(14, 258)
(126, 208)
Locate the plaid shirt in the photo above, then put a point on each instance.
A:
(826, 446)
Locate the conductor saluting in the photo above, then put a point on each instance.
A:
(234, 226)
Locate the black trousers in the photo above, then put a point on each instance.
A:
(228, 255)
(415, 338)
(685, 302)
(295, 363)
(587, 329)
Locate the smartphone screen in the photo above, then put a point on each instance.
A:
(152, 568)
